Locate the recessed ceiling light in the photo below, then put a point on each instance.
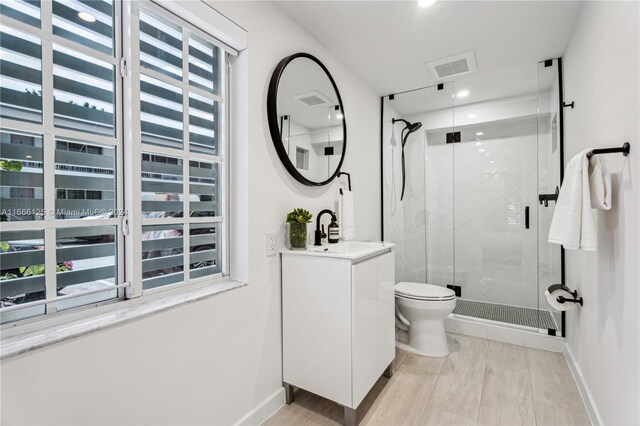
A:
(479, 133)
(339, 116)
(86, 17)
(491, 162)
(426, 3)
(478, 143)
(471, 116)
(481, 150)
(462, 94)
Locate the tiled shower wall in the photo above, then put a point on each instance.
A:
(440, 213)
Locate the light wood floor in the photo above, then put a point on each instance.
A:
(481, 382)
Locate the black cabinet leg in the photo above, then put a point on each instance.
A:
(388, 372)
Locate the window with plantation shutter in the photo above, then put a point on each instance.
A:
(182, 163)
(73, 231)
(59, 142)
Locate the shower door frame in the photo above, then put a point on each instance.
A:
(561, 107)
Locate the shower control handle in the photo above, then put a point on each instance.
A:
(526, 217)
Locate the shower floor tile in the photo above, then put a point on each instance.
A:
(529, 317)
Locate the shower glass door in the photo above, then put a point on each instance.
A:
(470, 218)
(495, 181)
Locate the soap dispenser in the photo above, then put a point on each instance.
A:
(334, 231)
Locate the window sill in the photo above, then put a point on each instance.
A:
(133, 309)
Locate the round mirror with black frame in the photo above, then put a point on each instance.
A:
(306, 119)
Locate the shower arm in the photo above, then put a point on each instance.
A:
(395, 120)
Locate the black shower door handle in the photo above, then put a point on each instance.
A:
(526, 217)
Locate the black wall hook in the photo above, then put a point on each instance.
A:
(348, 178)
(564, 104)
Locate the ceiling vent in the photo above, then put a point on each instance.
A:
(313, 99)
(452, 66)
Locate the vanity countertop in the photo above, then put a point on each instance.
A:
(351, 250)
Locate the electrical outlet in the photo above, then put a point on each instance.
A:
(272, 239)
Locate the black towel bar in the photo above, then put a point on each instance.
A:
(624, 150)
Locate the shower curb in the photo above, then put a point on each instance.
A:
(492, 330)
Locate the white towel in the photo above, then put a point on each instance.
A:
(572, 224)
(599, 184)
(346, 219)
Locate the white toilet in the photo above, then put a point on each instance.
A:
(425, 306)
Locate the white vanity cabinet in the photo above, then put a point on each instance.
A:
(338, 310)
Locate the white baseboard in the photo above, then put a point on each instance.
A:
(587, 398)
(523, 336)
(264, 410)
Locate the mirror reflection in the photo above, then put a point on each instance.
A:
(310, 120)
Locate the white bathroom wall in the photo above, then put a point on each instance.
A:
(601, 69)
(214, 361)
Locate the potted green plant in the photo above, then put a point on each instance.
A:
(298, 220)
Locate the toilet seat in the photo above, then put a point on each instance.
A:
(426, 292)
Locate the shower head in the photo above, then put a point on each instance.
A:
(411, 127)
(415, 127)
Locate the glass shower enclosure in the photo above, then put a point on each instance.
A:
(480, 178)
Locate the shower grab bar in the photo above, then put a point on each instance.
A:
(626, 147)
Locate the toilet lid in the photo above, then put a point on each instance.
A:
(424, 291)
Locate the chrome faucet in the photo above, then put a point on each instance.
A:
(320, 234)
